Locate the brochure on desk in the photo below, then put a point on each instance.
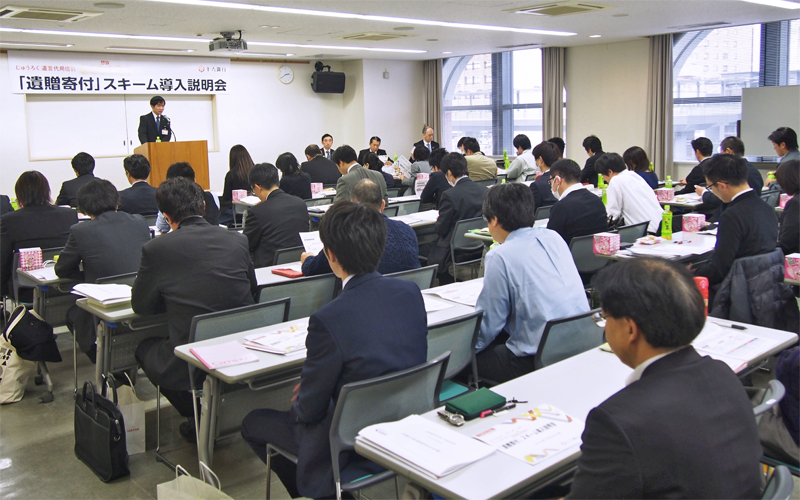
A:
(731, 346)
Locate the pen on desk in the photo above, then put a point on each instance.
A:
(730, 325)
(486, 413)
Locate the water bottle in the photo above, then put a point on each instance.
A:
(666, 224)
(158, 139)
(395, 157)
(600, 182)
(503, 180)
(605, 196)
(505, 159)
(14, 204)
(668, 182)
(702, 284)
(652, 168)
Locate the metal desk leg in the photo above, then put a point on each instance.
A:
(208, 419)
(39, 300)
(102, 340)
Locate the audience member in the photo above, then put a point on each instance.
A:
(784, 141)
(420, 166)
(593, 148)
(211, 214)
(463, 201)
(83, 166)
(342, 348)
(437, 184)
(733, 146)
(140, 198)
(789, 237)
(352, 172)
(374, 163)
(578, 211)
(558, 141)
(628, 194)
(374, 147)
(109, 244)
(703, 149)
(545, 154)
(293, 181)
(427, 141)
(277, 221)
(401, 252)
(460, 145)
(524, 164)
(239, 165)
(520, 296)
(480, 166)
(5, 205)
(319, 168)
(327, 147)
(637, 161)
(747, 227)
(779, 427)
(37, 223)
(195, 269)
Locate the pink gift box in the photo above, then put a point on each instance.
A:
(792, 269)
(239, 194)
(30, 258)
(606, 243)
(784, 200)
(693, 223)
(665, 194)
(316, 187)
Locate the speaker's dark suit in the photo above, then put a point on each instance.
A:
(684, 430)
(437, 184)
(109, 245)
(5, 205)
(434, 145)
(69, 190)
(542, 195)
(363, 153)
(148, 132)
(196, 269)
(580, 213)
(320, 169)
(462, 201)
(140, 199)
(37, 226)
(359, 335)
(273, 224)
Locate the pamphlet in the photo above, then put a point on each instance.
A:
(311, 242)
(286, 340)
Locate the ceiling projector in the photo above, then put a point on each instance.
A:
(227, 43)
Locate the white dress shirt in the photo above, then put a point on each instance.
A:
(572, 189)
(629, 196)
(637, 373)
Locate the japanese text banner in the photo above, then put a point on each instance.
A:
(39, 72)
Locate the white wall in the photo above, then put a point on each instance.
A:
(606, 96)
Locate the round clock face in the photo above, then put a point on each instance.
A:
(285, 74)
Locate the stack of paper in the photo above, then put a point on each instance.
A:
(223, 355)
(432, 304)
(408, 219)
(428, 448)
(733, 347)
(465, 293)
(250, 200)
(286, 340)
(319, 209)
(47, 273)
(428, 215)
(104, 295)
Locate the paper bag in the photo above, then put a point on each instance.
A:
(132, 410)
(185, 487)
(14, 373)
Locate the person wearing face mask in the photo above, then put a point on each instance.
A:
(578, 212)
(545, 154)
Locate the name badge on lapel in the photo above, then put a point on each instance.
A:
(164, 131)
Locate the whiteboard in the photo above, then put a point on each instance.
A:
(191, 117)
(764, 109)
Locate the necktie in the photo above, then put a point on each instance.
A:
(158, 123)
(429, 146)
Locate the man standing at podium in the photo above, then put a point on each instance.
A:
(154, 127)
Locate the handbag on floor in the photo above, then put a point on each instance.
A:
(14, 373)
(100, 433)
(186, 487)
(31, 336)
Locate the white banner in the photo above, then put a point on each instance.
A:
(40, 72)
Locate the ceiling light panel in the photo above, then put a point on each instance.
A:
(783, 4)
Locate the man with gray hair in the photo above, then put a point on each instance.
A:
(427, 140)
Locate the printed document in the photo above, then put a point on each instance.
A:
(285, 340)
(462, 293)
(311, 242)
(222, 355)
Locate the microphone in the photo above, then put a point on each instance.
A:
(169, 125)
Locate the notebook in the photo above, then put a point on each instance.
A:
(223, 355)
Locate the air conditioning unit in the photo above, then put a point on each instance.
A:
(45, 14)
(559, 8)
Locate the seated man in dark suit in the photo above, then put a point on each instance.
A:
(463, 201)
(352, 172)
(578, 212)
(183, 169)
(5, 204)
(108, 245)
(374, 147)
(195, 269)
(426, 142)
(140, 198)
(683, 427)
(401, 252)
(594, 148)
(372, 162)
(155, 126)
(545, 154)
(437, 183)
(83, 166)
(733, 146)
(319, 168)
(703, 149)
(747, 227)
(277, 221)
(359, 335)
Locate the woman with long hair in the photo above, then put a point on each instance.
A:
(293, 181)
(636, 159)
(240, 164)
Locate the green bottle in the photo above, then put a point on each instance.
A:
(666, 224)
(503, 180)
(158, 139)
(14, 204)
(605, 196)
(771, 175)
(668, 182)
(652, 168)
(395, 157)
(600, 182)
(505, 159)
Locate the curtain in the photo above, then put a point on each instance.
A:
(658, 139)
(553, 63)
(432, 96)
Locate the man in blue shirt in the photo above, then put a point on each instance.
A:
(529, 279)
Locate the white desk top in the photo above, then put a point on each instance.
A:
(694, 245)
(45, 276)
(401, 199)
(689, 200)
(486, 237)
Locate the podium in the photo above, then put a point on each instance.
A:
(163, 154)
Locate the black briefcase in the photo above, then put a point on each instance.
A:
(100, 434)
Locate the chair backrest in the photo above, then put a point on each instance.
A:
(459, 337)
(119, 279)
(772, 396)
(629, 234)
(530, 177)
(240, 319)
(314, 202)
(582, 249)
(384, 399)
(780, 485)
(150, 219)
(18, 281)
(393, 192)
(771, 198)
(391, 211)
(566, 337)
(422, 276)
(307, 294)
(407, 207)
(543, 212)
(462, 243)
(487, 182)
(287, 255)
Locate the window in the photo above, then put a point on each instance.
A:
(506, 100)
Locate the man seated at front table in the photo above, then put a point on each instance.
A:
(479, 166)
(140, 198)
(578, 211)
(83, 166)
(427, 141)
(319, 168)
(277, 221)
(628, 194)
(211, 214)
(747, 227)
(463, 201)
(520, 295)
(732, 146)
(401, 252)
(359, 335)
(683, 426)
(352, 172)
(524, 164)
(374, 147)
(545, 154)
(195, 269)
